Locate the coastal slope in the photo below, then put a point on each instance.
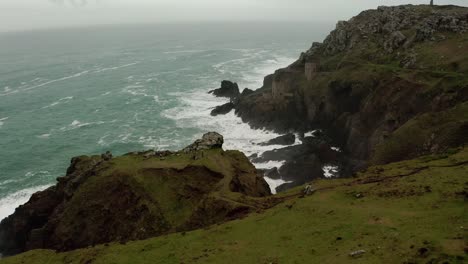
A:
(137, 196)
(407, 212)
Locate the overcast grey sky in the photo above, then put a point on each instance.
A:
(32, 14)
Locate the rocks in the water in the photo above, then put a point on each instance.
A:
(287, 139)
(134, 197)
(273, 173)
(209, 140)
(228, 89)
(222, 109)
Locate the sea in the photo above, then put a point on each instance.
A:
(122, 88)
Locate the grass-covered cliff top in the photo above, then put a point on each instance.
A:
(408, 212)
(136, 196)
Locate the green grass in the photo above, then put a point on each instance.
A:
(411, 139)
(412, 211)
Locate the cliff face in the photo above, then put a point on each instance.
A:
(387, 85)
(136, 196)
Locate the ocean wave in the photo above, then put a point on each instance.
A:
(253, 78)
(56, 80)
(37, 174)
(78, 124)
(60, 101)
(193, 111)
(2, 120)
(44, 136)
(12, 201)
(115, 67)
(184, 51)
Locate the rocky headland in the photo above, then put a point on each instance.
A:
(140, 195)
(388, 85)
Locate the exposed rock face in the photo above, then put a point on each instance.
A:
(392, 21)
(210, 140)
(136, 196)
(375, 78)
(228, 89)
(222, 109)
(287, 139)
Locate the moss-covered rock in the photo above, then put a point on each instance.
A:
(136, 196)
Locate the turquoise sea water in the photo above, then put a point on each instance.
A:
(71, 92)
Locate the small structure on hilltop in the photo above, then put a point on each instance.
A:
(432, 2)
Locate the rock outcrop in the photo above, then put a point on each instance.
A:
(287, 139)
(136, 196)
(373, 84)
(211, 140)
(222, 109)
(228, 89)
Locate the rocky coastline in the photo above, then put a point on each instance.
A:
(383, 101)
(372, 87)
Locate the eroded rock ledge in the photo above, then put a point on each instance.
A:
(137, 196)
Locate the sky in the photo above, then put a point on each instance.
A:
(18, 15)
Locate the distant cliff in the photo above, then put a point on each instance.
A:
(389, 84)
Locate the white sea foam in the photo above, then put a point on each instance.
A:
(44, 136)
(310, 133)
(37, 174)
(253, 78)
(115, 67)
(336, 149)
(57, 80)
(274, 183)
(12, 201)
(77, 124)
(330, 171)
(2, 121)
(195, 107)
(269, 165)
(60, 101)
(184, 51)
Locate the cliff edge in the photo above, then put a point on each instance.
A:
(390, 84)
(136, 196)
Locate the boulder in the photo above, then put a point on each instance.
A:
(273, 173)
(287, 139)
(210, 140)
(228, 89)
(222, 109)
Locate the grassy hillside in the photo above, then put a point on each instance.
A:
(407, 212)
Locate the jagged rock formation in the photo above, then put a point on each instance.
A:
(222, 109)
(228, 89)
(287, 139)
(387, 85)
(136, 196)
